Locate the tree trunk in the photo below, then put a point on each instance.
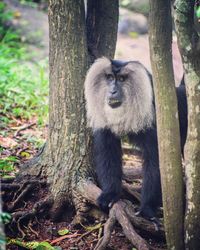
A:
(67, 150)
(189, 45)
(167, 121)
(102, 24)
(65, 159)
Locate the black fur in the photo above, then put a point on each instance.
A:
(117, 65)
(108, 161)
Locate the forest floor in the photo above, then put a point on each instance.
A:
(21, 139)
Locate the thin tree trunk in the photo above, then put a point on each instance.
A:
(167, 121)
(189, 45)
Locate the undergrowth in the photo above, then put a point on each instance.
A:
(23, 83)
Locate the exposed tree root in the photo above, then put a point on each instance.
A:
(86, 193)
(9, 180)
(108, 227)
(129, 174)
(21, 190)
(82, 209)
(122, 212)
(9, 186)
(40, 207)
(135, 192)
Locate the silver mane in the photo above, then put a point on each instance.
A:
(137, 110)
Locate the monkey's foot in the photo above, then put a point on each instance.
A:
(150, 216)
(106, 200)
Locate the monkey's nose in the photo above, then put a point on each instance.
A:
(113, 92)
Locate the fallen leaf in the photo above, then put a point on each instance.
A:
(17, 14)
(63, 231)
(25, 154)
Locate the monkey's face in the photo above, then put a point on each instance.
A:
(118, 96)
(114, 96)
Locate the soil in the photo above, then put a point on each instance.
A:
(84, 237)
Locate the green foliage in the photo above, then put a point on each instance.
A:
(5, 218)
(7, 165)
(29, 3)
(197, 11)
(31, 245)
(140, 7)
(23, 85)
(63, 231)
(4, 17)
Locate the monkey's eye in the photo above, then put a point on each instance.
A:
(121, 78)
(110, 77)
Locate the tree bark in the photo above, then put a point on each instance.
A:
(102, 25)
(167, 121)
(189, 45)
(65, 159)
(66, 153)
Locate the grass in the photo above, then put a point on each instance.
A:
(23, 84)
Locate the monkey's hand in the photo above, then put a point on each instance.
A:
(106, 200)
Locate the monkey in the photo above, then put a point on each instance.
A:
(120, 101)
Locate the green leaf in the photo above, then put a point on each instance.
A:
(63, 232)
(198, 12)
(95, 227)
(5, 218)
(44, 246)
(25, 154)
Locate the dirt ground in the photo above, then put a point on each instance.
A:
(83, 237)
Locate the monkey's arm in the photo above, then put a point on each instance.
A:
(108, 162)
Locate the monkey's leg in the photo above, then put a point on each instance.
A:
(151, 189)
(108, 162)
(151, 197)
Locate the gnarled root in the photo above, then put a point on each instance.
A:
(40, 207)
(129, 174)
(17, 202)
(122, 212)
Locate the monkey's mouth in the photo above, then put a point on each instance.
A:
(114, 103)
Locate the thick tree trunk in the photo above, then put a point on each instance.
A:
(189, 45)
(67, 149)
(65, 159)
(167, 121)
